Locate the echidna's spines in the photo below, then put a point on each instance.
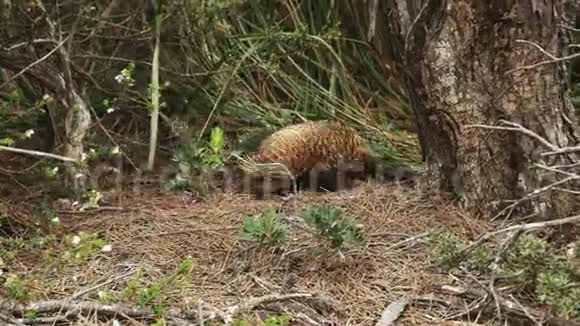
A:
(309, 147)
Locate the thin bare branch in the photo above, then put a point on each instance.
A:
(36, 153)
(30, 66)
(522, 228)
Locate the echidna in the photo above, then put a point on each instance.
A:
(317, 154)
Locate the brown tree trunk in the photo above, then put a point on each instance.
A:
(458, 62)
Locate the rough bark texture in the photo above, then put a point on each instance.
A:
(454, 59)
(76, 114)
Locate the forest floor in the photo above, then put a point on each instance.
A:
(148, 235)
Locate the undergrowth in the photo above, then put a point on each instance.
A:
(531, 264)
(329, 223)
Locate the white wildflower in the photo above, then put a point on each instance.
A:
(76, 240)
(107, 248)
(29, 133)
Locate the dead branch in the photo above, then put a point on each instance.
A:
(36, 153)
(508, 305)
(512, 126)
(100, 285)
(33, 64)
(74, 309)
(9, 320)
(553, 150)
(545, 62)
(252, 303)
(534, 194)
(519, 228)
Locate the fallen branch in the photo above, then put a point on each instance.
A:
(252, 303)
(36, 153)
(67, 310)
(508, 305)
(533, 194)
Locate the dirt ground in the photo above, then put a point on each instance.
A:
(155, 232)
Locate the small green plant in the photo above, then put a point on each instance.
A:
(265, 228)
(212, 155)
(526, 258)
(479, 260)
(333, 225)
(6, 141)
(11, 247)
(530, 264)
(132, 287)
(557, 288)
(194, 159)
(445, 248)
(158, 294)
(281, 320)
(91, 199)
(16, 289)
(82, 246)
(31, 315)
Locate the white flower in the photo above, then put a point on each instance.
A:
(107, 248)
(111, 110)
(55, 220)
(76, 240)
(29, 133)
(116, 150)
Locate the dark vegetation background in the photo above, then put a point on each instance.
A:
(248, 67)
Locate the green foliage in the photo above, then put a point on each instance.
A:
(159, 294)
(91, 199)
(527, 258)
(445, 248)
(17, 289)
(12, 247)
(557, 288)
(81, 246)
(20, 118)
(530, 264)
(281, 320)
(333, 225)
(265, 228)
(193, 159)
(212, 155)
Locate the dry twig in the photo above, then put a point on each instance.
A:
(519, 228)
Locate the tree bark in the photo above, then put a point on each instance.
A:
(76, 118)
(458, 63)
